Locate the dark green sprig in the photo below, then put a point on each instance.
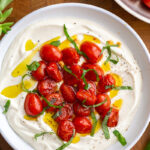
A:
(69, 71)
(147, 146)
(33, 66)
(68, 143)
(6, 106)
(120, 138)
(42, 133)
(119, 87)
(55, 43)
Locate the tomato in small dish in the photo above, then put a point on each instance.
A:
(33, 104)
(77, 70)
(92, 51)
(50, 53)
(147, 3)
(82, 125)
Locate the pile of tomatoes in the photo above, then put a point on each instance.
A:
(72, 93)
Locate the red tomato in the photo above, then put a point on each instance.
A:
(107, 80)
(65, 130)
(40, 73)
(77, 70)
(54, 99)
(54, 72)
(91, 74)
(46, 87)
(50, 53)
(70, 56)
(66, 113)
(33, 104)
(68, 93)
(79, 110)
(113, 117)
(92, 85)
(106, 106)
(86, 95)
(92, 51)
(147, 3)
(82, 125)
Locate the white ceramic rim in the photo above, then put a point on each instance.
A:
(89, 7)
(132, 12)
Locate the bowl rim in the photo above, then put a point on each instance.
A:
(87, 6)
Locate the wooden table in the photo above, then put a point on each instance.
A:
(24, 7)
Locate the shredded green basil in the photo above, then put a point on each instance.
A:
(120, 138)
(55, 43)
(68, 143)
(147, 146)
(69, 71)
(6, 106)
(42, 133)
(33, 66)
(118, 87)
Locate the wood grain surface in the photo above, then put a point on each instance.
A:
(24, 7)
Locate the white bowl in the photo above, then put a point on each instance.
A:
(117, 27)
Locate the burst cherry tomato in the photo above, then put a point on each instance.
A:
(33, 104)
(105, 106)
(65, 130)
(92, 51)
(68, 93)
(147, 3)
(54, 72)
(91, 74)
(50, 53)
(70, 56)
(107, 80)
(54, 99)
(79, 110)
(77, 70)
(84, 95)
(40, 73)
(82, 125)
(46, 87)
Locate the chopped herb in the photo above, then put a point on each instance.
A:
(42, 133)
(55, 43)
(104, 125)
(6, 106)
(69, 71)
(57, 114)
(68, 143)
(147, 146)
(94, 122)
(119, 87)
(34, 66)
(120, 138)
(73, 42)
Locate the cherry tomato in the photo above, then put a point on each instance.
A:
(54, 99)
(147, 3)
(33, 104)
(79, 110)
(105, 106)
(66, 112)
(68, 93)
(50, 53)
(82, 125)
(54, 72)
(65, 130)
(46, 87)
(40, 73)
(84, 95)
(77, 70)
(91, 74)
(70, 56)
(107, 80)
(92, 51)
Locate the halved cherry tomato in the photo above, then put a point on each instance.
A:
(79, 110)
(40, 73)
(65, 130)
(82, 125)
(46, 87)
(70, 56)
(54, 72)
(50, 53)
(84, 95)
(91, 74)
(92, 51)
(147, 3)
(106, 106)
(107, 80)
(33, 104)
(66, 112)
(54, 99)
(77, 70)
(68, 93)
